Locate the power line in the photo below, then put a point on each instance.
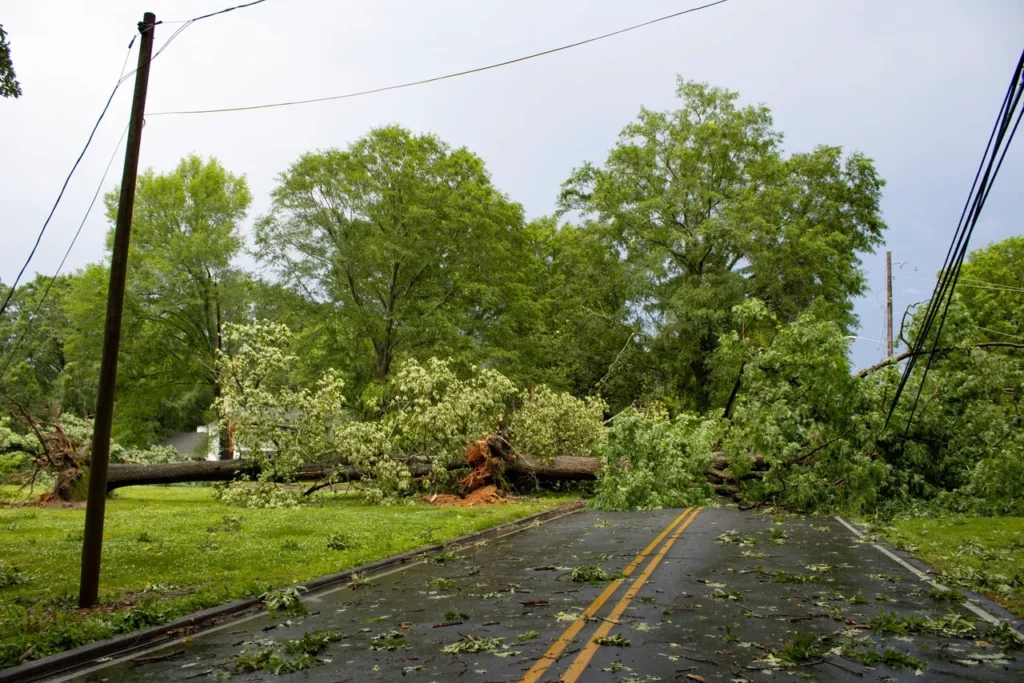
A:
(35, 312)
(966, 282)
(224, 11)
(1006, 334)
(999, 142)
(446, 76)
(120, 79)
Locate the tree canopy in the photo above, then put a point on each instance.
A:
(679, 328)
(707, 212)
(403, 237)
(182, 288)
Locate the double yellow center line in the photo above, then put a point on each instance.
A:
(583, 658)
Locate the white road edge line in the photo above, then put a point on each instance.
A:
(991, 618)
(314, 597)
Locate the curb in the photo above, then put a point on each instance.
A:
(64, 662)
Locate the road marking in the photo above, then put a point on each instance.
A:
(112, 660)
(579, 664)
(553, 652)
(991, 618)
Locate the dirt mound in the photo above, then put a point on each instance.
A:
(488, 495)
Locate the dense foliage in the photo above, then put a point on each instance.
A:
(685, 317)
(426, 415)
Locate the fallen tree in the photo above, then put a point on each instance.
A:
(559, 468)
(488, 461)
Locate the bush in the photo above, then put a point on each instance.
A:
(656, 462)
(551, 423)
(996, 485)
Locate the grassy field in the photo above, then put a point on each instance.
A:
(985, 554)
(169, 551)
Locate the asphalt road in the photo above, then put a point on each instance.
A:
(775, 601)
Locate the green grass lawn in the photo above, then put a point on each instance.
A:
(168, 551)
(981, 553)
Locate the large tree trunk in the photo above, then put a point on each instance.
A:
(559, 468)
(119, 476)
(487, 458)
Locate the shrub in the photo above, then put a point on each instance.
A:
(551, 423)
(655, 462)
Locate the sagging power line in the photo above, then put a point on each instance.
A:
(39, 237)
(445, 77)
(121, 79)
(1000, 139)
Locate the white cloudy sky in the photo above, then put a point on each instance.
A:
(915, 84)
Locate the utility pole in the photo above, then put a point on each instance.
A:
(92, 545)
(888, 304)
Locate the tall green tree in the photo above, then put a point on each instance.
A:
(182, 287)
(33, 356)
(707, 212)
(406, 239)
(580, 334)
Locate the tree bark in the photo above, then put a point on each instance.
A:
(562, 468)
(120, 476)
(559, 468)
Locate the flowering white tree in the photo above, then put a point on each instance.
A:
(428, 416)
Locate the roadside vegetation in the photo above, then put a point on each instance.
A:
(981, 554)
(171, 551)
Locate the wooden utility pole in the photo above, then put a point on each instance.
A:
(92, 545)
(888, 304)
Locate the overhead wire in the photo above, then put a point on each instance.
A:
(998, 144)
(121, 79)
(444, 77)
(1005, 334)
(967, 282)
(14, 285)
(225, 11)
(39, 304)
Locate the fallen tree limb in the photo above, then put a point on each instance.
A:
(942, 349)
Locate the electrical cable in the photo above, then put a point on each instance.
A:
(444, 77)
(64, 187)
(999, 142)
(967, 282)
(224, 11)
(121, 79)
(1005, 334)
(46, 292)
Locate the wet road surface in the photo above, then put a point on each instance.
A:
(709, 594)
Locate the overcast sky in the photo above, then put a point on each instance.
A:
(913, 84)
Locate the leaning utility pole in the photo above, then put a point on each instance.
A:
(888, 304)
(92, 545)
